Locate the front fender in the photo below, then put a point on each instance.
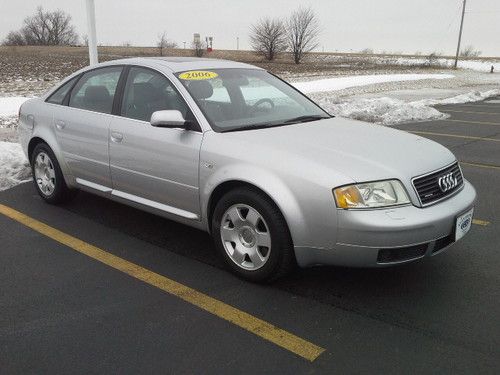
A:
(262, 179)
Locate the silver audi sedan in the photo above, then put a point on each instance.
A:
(233, 150)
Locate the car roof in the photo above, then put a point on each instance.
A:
(180, 64)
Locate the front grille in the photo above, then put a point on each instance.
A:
(428, 188)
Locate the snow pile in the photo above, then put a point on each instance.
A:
(340, 83)
(470, 97)
(386, 111)
(390, 111)
(14, 168)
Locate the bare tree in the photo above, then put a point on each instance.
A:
(49, 28)
(46, 28)
(14, 38)
(199, 47)
(469, 51)
(268, 37)
(303, 31)
(164, 43)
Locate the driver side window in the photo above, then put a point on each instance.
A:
(256, 89)
(147, 91)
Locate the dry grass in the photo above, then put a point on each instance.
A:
(33, 69)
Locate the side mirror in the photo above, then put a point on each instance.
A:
(168, 119)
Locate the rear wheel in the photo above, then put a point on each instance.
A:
(252, 236)
(48, 177)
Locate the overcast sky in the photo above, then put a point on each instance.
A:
(347, 25)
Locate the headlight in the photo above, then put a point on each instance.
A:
(371, 195)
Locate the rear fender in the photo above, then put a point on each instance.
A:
(43, 131)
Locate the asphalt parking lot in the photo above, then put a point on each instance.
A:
(150, 295)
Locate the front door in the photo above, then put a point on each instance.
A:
(157, 167)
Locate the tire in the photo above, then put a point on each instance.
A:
(47, 176)
(244, 223)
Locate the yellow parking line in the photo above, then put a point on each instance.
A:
(480, 165)
(480, 222)
(472, 122)
(454, 136)
(472, 112)
(259, 327)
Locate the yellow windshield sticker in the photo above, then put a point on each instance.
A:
(196, 75)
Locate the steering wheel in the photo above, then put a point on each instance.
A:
(262, 101)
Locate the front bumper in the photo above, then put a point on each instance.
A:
(375, 238)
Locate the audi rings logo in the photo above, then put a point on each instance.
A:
(447, 182)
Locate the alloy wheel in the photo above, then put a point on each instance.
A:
(45, 175)
(246, 237)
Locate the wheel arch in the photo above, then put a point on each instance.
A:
(36, 140)
(33, 143)
(285, 203)
(224, 188)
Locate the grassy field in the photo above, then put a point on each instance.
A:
(60, 61)
(30, 70)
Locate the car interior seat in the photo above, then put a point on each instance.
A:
(97, 99)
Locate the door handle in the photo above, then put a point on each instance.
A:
(116, 137)
(60, 124)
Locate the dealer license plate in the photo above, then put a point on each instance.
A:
(463, 224)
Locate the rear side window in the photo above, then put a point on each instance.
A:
(95, 91)
(58, 96)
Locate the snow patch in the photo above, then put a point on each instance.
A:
(9, 106)
(470, 97)
(340, 83)
(14, 168)
(390, 111)
(482, 65)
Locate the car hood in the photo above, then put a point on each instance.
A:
(359, 150)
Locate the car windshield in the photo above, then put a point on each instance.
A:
(242, 99)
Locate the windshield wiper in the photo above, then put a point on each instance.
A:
(306, 118)
(250, 127)
(264, 125)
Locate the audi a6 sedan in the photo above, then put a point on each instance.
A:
(233, 150)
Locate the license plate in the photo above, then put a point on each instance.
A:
(463, 224)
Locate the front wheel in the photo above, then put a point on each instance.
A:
(252, 236)
(48, 177)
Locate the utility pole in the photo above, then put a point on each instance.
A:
(460, 35)
(237, 43)
(92, 33)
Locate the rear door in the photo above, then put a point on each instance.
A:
(157, 167)
(82, 127)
